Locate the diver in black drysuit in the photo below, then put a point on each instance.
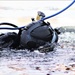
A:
(32, 36)
(11, 39)
(17, 41)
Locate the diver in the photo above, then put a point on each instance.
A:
(35, 34)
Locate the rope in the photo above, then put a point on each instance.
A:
(8, 28)
(59, 11)
(17, 28)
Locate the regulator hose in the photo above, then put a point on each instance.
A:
(9, 24)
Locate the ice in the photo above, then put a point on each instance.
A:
(23, 62)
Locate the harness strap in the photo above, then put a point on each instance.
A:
(54, 37)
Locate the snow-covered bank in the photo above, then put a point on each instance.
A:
(20, 12)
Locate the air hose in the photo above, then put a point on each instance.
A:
(10, 24)
(18, 28)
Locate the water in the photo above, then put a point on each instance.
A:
(57, 62)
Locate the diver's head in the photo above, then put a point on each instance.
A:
(40, 15)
